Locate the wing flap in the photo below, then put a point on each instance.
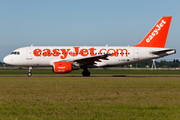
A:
(91, 59)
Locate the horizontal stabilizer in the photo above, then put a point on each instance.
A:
(168, 51)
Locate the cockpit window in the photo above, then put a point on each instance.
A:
(15, 53)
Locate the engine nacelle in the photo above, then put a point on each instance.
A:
(62, 67)
(65, 67)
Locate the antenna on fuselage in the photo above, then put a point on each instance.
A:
(31, 45)
(106, 45)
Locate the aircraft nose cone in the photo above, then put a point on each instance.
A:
(6, 60)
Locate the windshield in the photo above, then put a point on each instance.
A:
(15, 53)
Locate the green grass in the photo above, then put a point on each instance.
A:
(94, 72)
(89, 98)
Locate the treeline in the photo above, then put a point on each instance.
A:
(1, 64)
(159, 64)
(5, 65)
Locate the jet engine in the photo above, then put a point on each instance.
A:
(64, 67)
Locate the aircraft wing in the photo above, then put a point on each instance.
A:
(90, 59)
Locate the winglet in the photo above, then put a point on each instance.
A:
(157, 36)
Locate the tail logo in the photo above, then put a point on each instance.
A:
(156, 30)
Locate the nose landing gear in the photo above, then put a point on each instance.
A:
(29, 73)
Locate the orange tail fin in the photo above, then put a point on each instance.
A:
(157, 36)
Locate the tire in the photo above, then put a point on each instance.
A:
(29, 74)
(86, 73)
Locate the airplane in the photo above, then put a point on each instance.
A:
(64, 59)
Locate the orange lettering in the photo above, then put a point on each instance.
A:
(126, 52)
(65, 53)
(37, 52)
(92, 51)
(76, 49)
(46, 52)
(55, 52)
(113, 53)
(84, 52)
(100, 52)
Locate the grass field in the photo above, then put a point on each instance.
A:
(89, 98)
(94, 72)
(39, 98)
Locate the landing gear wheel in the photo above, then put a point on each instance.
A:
(86, 73)
(29, 74)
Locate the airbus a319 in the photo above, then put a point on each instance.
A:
(64, 59)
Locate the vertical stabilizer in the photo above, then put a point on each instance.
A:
(157, 36)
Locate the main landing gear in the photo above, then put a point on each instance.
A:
(29, 73)
(86, 72)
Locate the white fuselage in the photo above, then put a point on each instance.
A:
(64, 59)
(44, 56)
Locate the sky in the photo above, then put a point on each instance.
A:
(84, 23)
